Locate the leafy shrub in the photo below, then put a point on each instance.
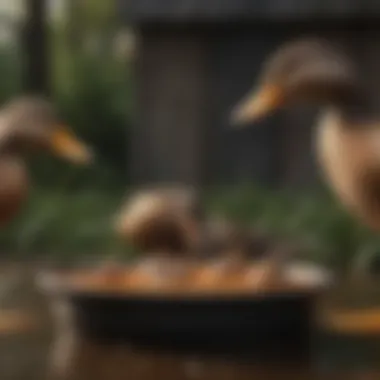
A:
(316, 220)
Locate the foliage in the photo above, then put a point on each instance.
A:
(94, 96)
(64, 224)
(10, 68)
(67, 224)
(93, 93)
(314, 219)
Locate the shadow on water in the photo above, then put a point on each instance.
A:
(25, 352)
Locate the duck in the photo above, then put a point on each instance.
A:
(28, 125)
(314, 71)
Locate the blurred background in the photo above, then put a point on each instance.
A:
(150, 85)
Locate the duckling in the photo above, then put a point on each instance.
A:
(29, 125)
(159, 220)
(348, 135)
(163, 223)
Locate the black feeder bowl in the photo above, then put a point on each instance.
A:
(259, 324)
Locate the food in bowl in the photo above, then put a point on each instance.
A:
(195, 277)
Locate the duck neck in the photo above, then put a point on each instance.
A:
(8, 151)
(10, 148)
(355, 113)
(353, 106)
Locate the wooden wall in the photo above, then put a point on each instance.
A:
(171, 106)
(240, 10)
(189, 78)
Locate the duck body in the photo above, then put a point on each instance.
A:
(348, 133)
(349, 156)
(14, 186)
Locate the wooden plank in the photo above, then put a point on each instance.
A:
(171, 89)
(227, 10)
(249, 154)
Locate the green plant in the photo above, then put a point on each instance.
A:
(315, 220)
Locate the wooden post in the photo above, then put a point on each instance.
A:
(172, 96)
(34, 39)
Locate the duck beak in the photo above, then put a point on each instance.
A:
(66, 145)
(257, 105)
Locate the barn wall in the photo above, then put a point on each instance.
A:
(172, 88)
(278, 150)
(227, 10)
(190, 79)
(247, 154)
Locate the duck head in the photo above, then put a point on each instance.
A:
(30, 124)
(304, 70)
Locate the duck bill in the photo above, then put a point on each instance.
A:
(66, 145)
(257, 105)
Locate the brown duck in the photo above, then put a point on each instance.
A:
(29, 125)
(348, 137)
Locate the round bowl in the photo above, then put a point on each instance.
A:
(243, 322)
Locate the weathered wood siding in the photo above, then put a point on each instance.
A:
(216, 10)
(190, 77)
(172, 88)
(246, 154)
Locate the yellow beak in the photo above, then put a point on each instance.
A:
(65, 144)
(257, 105)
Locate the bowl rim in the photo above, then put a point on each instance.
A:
(52, 283)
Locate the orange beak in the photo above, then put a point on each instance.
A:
(257, 105)
(65, 144)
